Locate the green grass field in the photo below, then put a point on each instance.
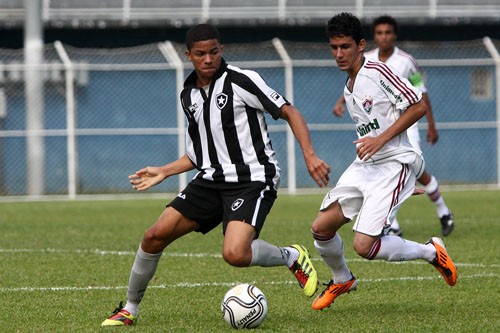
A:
(64, 267)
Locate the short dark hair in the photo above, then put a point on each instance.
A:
(344, 25)
(386, 19)
(201, 32)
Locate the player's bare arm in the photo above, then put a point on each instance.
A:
(432, 133)
(317, 168)
(368, 146)
(149, 176)
(339, 108)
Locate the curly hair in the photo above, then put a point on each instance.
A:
(344, 25)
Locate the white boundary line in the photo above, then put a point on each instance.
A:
(214, 284)
(215, 256)
(228, 284)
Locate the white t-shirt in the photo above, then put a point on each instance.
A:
(376, 102)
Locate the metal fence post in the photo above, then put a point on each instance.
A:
(168, 51)
(290, 139)
(72, 149)
(33, 58)
(496, 56)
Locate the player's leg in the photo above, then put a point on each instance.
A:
(391, 248)
(389, 185)
(170, 225)
(329, 245)
(397, 249)
(242, 249)
(340, 205)
(237, 246)
(432, 187)
(246, 211)
(195, 208)
(328, 242)
(445, 215)
(372, 218)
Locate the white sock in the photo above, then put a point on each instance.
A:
(142, 272)
(332, 253)
(432, 190)
(133, 308)
(394, 248)
(268, 255)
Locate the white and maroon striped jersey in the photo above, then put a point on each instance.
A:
(404, 64)
(376, 102)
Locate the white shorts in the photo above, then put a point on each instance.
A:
(373, 192)
(414, 136)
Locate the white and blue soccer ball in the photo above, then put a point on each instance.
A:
(244, 306)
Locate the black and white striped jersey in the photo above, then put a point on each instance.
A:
(227, 138)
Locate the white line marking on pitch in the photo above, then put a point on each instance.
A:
(216, 255)
(228, 284)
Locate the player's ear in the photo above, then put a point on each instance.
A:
(362, 45)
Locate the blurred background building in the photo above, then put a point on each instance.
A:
(129, 22)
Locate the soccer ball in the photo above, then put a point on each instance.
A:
(244, 306)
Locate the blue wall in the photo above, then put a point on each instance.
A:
(148, 99)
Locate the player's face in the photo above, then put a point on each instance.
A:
(347, 53)
(384, 36)
(206, 57)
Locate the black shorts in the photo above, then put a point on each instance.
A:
(210, 203)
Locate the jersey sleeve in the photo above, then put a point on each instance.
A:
(257, 94)
(398, 89)
(416, 76)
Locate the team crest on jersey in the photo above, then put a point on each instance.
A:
(367, 104)
(237, 204)
(221, 100)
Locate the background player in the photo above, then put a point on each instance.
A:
(383, 105)
(228, 142)
(385, 30)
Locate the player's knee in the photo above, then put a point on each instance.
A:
(150, 235)
(321, 234)
(362, 249)
(236, 258)
(152, 242)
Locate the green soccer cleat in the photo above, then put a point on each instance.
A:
(120, 317)
(304, 271)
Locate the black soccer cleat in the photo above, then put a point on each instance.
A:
(447, 224)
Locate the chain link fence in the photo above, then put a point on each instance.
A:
(101, 114)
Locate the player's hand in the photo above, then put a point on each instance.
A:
(367, 147)
(339, 109)
(318, 170)
(147, 177)
(432, 135)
